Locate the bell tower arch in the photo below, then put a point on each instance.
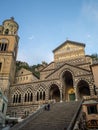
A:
(8, 53)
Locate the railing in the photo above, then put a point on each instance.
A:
(73, 121)
(90, 97)
(28, 119)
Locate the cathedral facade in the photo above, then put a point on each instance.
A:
(67, 78)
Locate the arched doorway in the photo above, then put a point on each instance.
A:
(71, 94)
(68, 93)
(54, 93)
(83, 89)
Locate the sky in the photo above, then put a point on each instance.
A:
(45, 24)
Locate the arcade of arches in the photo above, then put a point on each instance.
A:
(69, 92)
(54, 93)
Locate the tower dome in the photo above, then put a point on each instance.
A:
(10, 27)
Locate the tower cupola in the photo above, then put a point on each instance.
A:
(10, 27)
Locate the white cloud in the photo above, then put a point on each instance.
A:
(31, 37)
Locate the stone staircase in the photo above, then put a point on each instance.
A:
(58, 117)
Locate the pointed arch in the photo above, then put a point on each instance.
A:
(40, 90)
(54, 92)
(83, 88)
(28, 95)
(16, 97)
(66, 70)
(67, 78)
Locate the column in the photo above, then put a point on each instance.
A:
(60, 95)
(34, 97)
(46, 96)
(76, 94)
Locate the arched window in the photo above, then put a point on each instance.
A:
(7, 31)
(40, 95)
(16, 98)
(3, 44)
(28, 97)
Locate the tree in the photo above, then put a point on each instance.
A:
(94, 56)
(34, 68)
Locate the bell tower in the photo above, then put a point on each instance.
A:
(8, 53)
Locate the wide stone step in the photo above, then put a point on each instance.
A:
(57, 118)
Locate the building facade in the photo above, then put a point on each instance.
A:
(68, 77)
(94, 68)
(8, 53)
(90, 111)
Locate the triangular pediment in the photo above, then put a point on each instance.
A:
(49, 67)
(68, 44)
(77, 71)
(23, 71)
(25, 76)
(68, 50)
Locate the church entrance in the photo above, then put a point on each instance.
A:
(68, 93)
(71, 94)
(54, 93)
(83, 89)
(72, 97)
